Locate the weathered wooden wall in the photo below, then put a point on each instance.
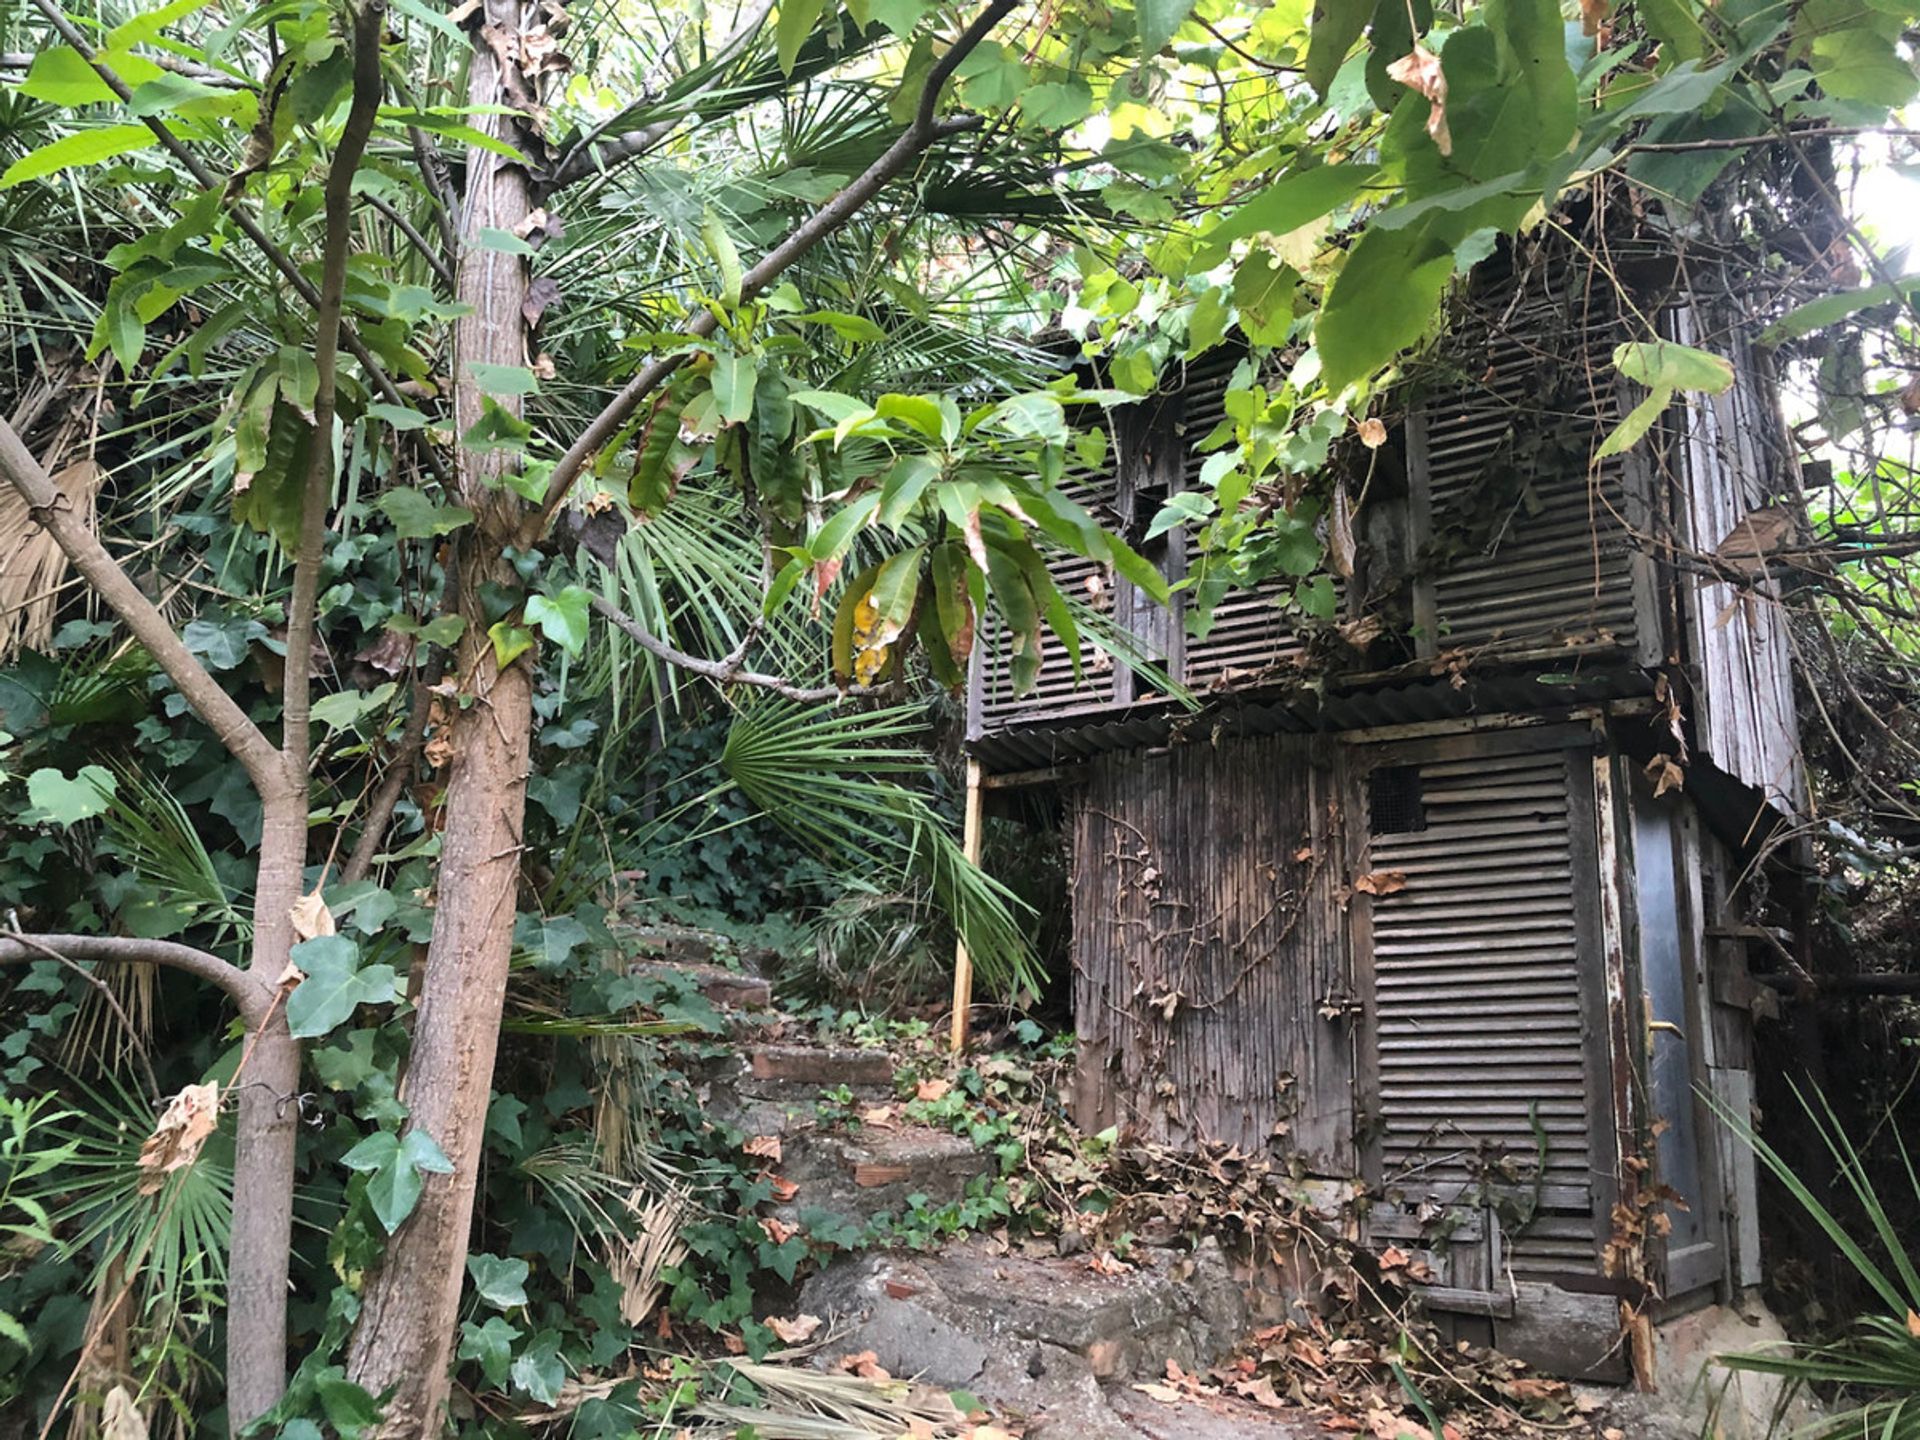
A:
(1741, 658)
(1210, 972)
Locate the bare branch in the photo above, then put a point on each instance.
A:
(368, 87)
(923, 132)
(52, 510)
(251, 995)
(250, 227)
(721, 672)
(406, 227)
(393, 781)
(104, 990)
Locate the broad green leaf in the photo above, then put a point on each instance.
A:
(345, 708)
(1156, 20)
(371, 1152)
(539, 1371)
(1263, 289)
(920, 411)
(851, 327)
(654, 476)
(734, 377)
(498, 428)
(393, 1190)
(65, 800)
(416, 517)
(1637, 423)
(466, 134)
(336, 985)
(832, 539)
(796, 21)
(1034, 414)
(1336, 25)
(1284, 206)
(1677, 367)
(562, 617)
(1831, 309)
(1382, 301)
(1207, 325)
(503, 379)
(59, 76)
(906, 482)
(726, 255)
(84, 147)
(1056, 104)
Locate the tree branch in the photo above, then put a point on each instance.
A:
(251, 995)
(368, 87)
(250, 227)
(104, 990)
(721, 672)
(586, 156)
(923, 132)
(55, 513)
(406, 227)
(393, 782)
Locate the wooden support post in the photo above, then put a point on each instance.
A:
(962, 962)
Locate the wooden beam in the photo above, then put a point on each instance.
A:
(1016, 779)
(962, 962)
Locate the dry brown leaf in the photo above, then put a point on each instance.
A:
(1373, 432)
(881, 1117)
(865, 1364)
(932, 1088)
(312, 920)
(1665, 774)
(778, 1230)
(1913, 1325)
(1165, 1394)
(766, 1147)
(1340, 547)
(796, 1331)
(1381, 882)
(733, 1343)
(176, 1140)
(783, 1188)
(1420, 71)
(120, 1418)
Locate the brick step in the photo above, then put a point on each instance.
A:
(816, 1068)
(874, 1170)
(725, 989)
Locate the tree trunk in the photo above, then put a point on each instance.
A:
(268, 1125)
(410, 1307)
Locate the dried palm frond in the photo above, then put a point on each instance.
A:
(32, 567)
(802, 1404)
(636, 1264)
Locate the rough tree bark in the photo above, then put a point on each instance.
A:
(403, 1342)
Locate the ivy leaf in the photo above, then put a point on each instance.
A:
(492, 1345)
(393, 1191)
(510, 641)
(501, 1283)
(416, 517)
(336, 985)
(539, 1371)
(67, 801)
(345, 708)
(562, 618)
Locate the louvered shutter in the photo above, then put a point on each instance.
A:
(1528, 542)
(1480, 1020)
(1250, 633)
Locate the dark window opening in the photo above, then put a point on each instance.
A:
(1395, 805)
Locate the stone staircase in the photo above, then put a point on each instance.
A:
(825, 1118)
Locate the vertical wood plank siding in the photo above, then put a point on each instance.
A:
(1741, 655)
(1203, 891)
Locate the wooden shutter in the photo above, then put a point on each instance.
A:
(1480, 1021)
(1250, 633)
(1527, 545)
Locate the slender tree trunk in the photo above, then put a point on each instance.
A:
(409, 1314)
(267, 1127)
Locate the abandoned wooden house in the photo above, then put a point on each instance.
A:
(1450, 894)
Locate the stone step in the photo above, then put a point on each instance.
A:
(873, 1171)
(723, 988)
